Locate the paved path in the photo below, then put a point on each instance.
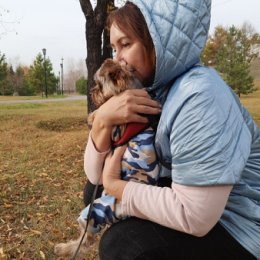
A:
(70, 98)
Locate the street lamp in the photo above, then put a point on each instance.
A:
(45, 72)
(59, 86)
(61, 69)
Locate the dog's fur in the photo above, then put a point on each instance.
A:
(68, 250)
(111, 79)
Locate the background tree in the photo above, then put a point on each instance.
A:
(9, 82)
(81, 85)
(95, 31)
(214, 41)
(231, 51)
(36, 77)
(20, 84)
(253, 39)
(75, 70)
(233, 61)
(3, 74)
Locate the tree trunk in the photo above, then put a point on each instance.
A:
(96, 53)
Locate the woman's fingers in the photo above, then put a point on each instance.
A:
(140, 97)
(112, 166)
(137, 92)
(118, 153)
(141, 109)
(138, 101)
(127, 107)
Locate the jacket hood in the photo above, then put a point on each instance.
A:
(179, 30)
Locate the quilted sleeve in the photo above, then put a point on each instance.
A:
(209, 140)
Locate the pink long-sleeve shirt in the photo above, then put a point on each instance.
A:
(190, 209)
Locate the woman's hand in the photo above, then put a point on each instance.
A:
(127, 107)
(124, 108)
(112, 173)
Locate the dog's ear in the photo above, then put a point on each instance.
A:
(97, 94)
(120, 78)
(115, 73)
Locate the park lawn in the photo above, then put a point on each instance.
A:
(252, 103)
(10, 98)
(41, 175)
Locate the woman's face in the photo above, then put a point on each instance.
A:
(130, 51)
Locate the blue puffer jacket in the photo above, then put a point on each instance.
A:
(204, 133)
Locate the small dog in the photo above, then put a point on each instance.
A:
(139, 161)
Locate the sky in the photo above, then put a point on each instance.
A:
(28, 26)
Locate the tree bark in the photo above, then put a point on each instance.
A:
(94, 28)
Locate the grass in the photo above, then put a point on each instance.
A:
(252, 102)
(255, 68)
(9, 98)
(41, 175)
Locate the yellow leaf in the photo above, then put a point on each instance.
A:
(2, 252)
(42, 255)
(36, 232)
(8, 206)
(51, 243)
(44, 174)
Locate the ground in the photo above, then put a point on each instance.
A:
(42, 177)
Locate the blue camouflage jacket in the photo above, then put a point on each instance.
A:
(204, 133)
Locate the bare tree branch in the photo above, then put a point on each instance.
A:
(86, 7)
(96, 52)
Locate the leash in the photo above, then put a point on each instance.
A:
(88, 219)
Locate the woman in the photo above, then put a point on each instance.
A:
(207, 143)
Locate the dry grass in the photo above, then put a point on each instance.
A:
(8, 98)
(255, 68)
(41, 175)
(252, 102)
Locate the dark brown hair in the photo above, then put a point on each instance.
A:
(130, 20)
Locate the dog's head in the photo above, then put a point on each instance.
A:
(112, 79)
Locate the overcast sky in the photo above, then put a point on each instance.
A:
(59, 26)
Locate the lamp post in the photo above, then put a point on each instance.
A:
(59, 86)
(45, 72)
(61, 69)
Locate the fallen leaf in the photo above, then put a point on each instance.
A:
(2, 252)
(36, 232)
(42, 255)
(8, 206)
